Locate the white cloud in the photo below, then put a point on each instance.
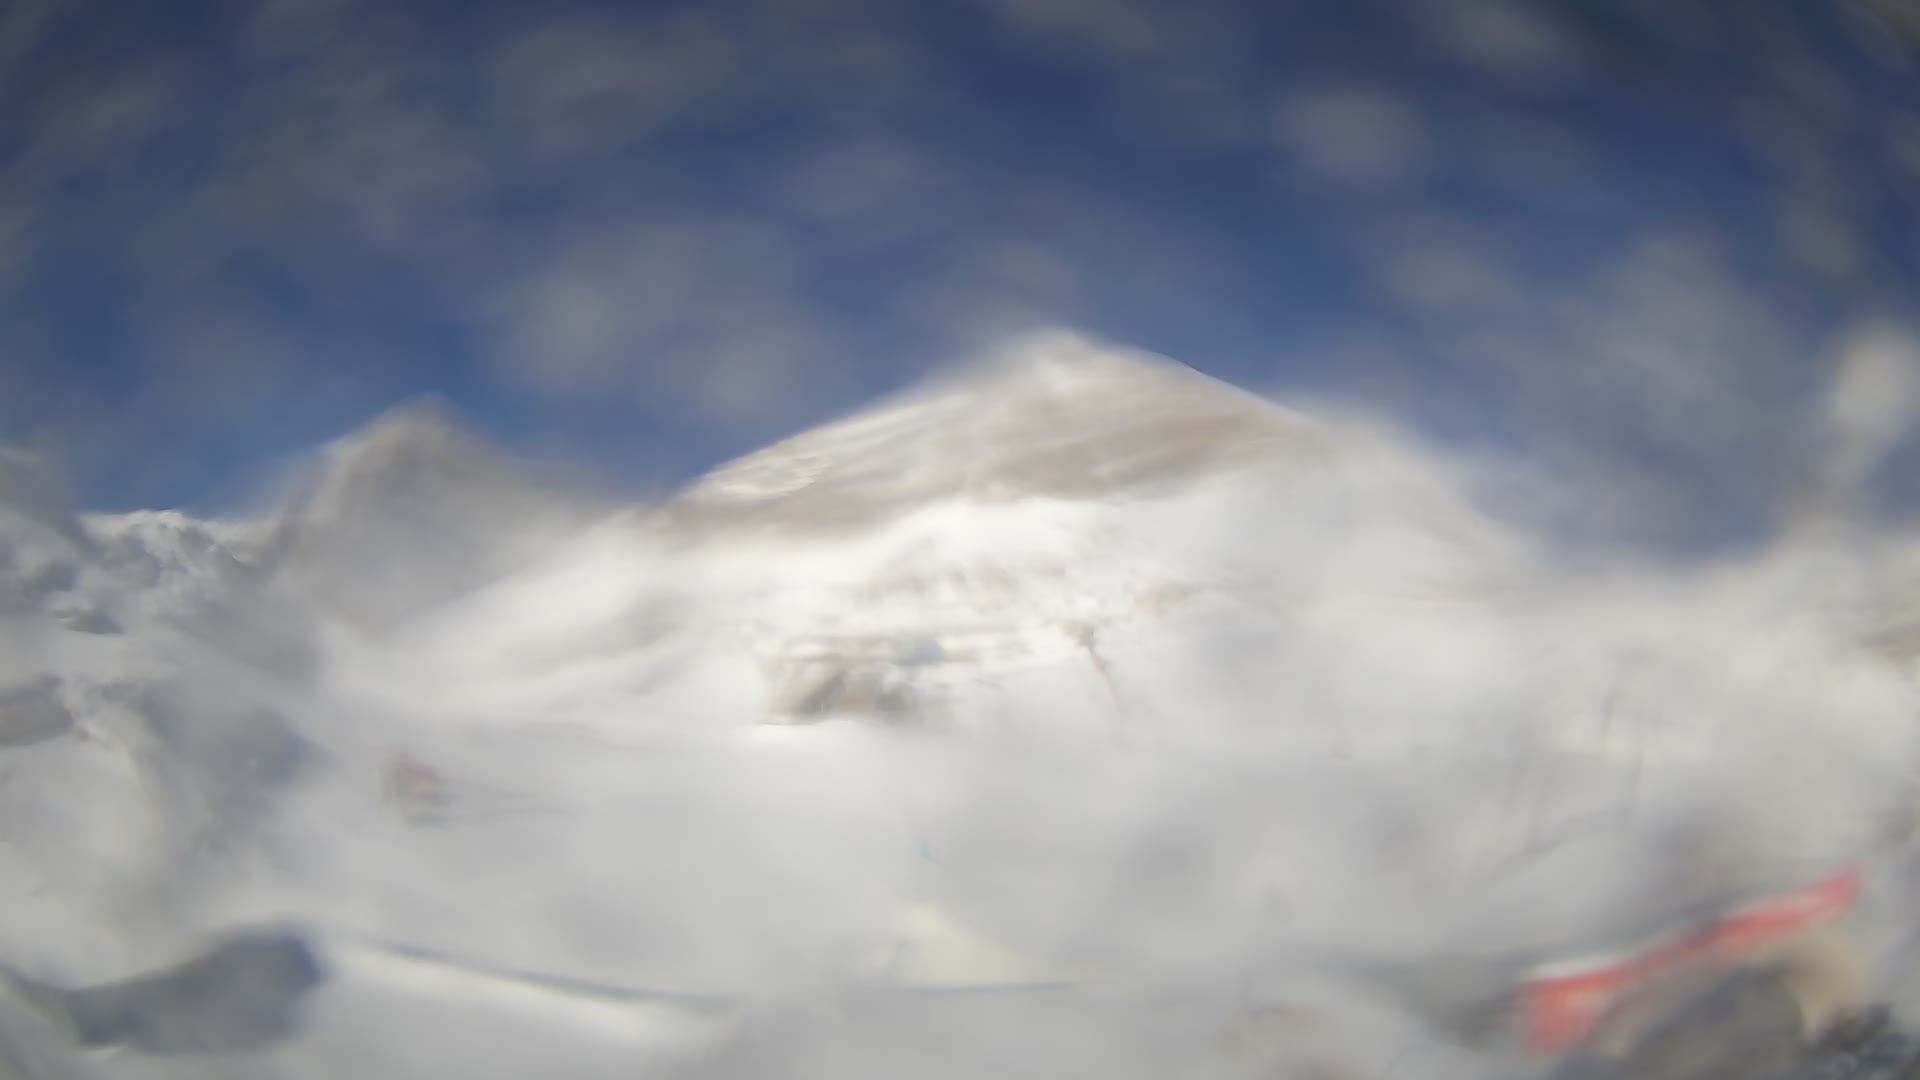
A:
(1903, 142)
(1509, 38)
(993, 288)
(22, 24)
(674, 314)
(1873, 402)
(1115, 30)
(277, 29)
(583, 85)
(214, 362)
(1351, 135)
(1440, 266)
(98, 127)
(852, 183)
(1185, 109)
(1889, 30)
(348, 149)
(1447, 276)
(1665, 342)
(1656, 382)
(1533, 161)
(1184, 78)
(1819, 239)
(16, 236)
(749, 375)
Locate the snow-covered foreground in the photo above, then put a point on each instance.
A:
(1044, 723)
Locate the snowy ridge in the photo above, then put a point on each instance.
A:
(175, 561)
(1147, 691)
(408, 513)
(954, 583)
(1050, 415)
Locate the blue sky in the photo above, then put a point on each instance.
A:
(1612, 237)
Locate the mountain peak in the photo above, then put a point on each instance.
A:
(1052, 414)
(413, 508)
(1056, 358)
(1067, 367)
(424, 427)
(421, 448)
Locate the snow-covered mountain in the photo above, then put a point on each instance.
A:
(1009, 517)
(408, 512)
(1169, 677)
(160, 673)
(1050, 415)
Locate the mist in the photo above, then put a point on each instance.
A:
(1002, 539)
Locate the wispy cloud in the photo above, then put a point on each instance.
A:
(582, 86)
(676, 314)
(687, 208)
(1521, 42)
(1351, 136)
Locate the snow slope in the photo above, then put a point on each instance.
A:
(953, 535)
(1073, 673)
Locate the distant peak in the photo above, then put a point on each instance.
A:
(417, 450)
(425, 424)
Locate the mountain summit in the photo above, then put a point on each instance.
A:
(1052, 414)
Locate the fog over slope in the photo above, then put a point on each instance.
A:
(1072, 675)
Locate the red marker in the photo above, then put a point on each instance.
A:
(1562, 1003)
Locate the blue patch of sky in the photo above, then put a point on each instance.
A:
(1262, 277)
